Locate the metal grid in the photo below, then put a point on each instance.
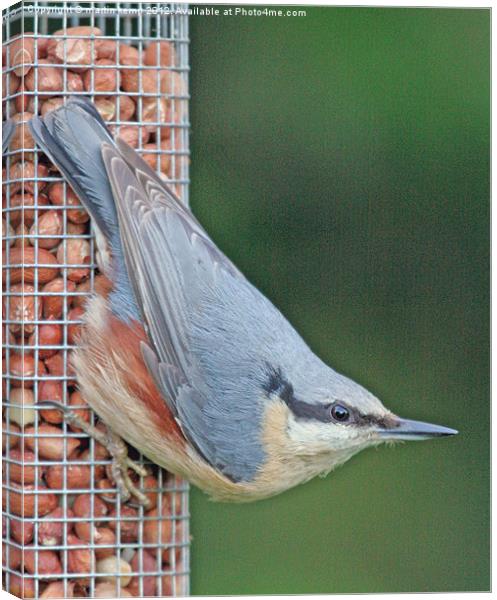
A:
(42, 466)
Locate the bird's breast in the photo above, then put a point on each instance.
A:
(116, 383)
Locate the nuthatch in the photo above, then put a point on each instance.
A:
(186, 360)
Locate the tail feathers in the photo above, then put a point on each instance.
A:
(8, 128)
(72, 137)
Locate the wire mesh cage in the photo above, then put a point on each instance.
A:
(66, 532)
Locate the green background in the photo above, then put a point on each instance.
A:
(342, 161)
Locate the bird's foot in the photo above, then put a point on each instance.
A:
(117, 448)
(120, 466)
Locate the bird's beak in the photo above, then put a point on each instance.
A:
(405, 429)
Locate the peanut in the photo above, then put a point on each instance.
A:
(22, 531)
(105, 537)
(159, 53)
(7, 231)
(24, 202)
(80, 560)
(22, 233)
(9, 437)
(75, 251)
(48, 562)
(74, 82)
(166, 158)
(135, 80)
(22, 53)
(53, 306)
(102, 80)
(87, 532)
(174, 88)
(22, 500)
(56, 195)
(157, 529)
(51, 448)
(22, 140)
(107, 107)
(156, 111)
(32, 261)
(49, 334)
(23, 473)
(55, 366)
(22, 411)
(76, 53)
(23, 308)
(51, 390)
(128, 526)
(76, 228)
(51, 104)
(133, 135)
(24, 174)
(51, 528)
(86, 456)
(14, 559)
(128, 55)
(82, 507)
(106, 49)
(50, 79)
(24, 369)
(10, 84)
(174, 550)
(49, 224)
(127, 107)
(143, 562)
(24, 102)
(112, 564)
(76, 477)
(172, 84)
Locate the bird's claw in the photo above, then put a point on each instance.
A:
(117, 449)
(119, 469)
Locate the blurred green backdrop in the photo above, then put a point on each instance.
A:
(342, 161)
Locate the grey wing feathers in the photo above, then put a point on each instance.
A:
(174, 269)
(167, 377)
(158, 192)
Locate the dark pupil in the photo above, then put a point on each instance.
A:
(340, 413)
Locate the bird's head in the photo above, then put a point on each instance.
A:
(325, 425)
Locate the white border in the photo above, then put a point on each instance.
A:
(366, 3)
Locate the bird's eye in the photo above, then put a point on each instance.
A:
(340, 413)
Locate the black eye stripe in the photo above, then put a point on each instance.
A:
(278, 385)
(315, 412)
